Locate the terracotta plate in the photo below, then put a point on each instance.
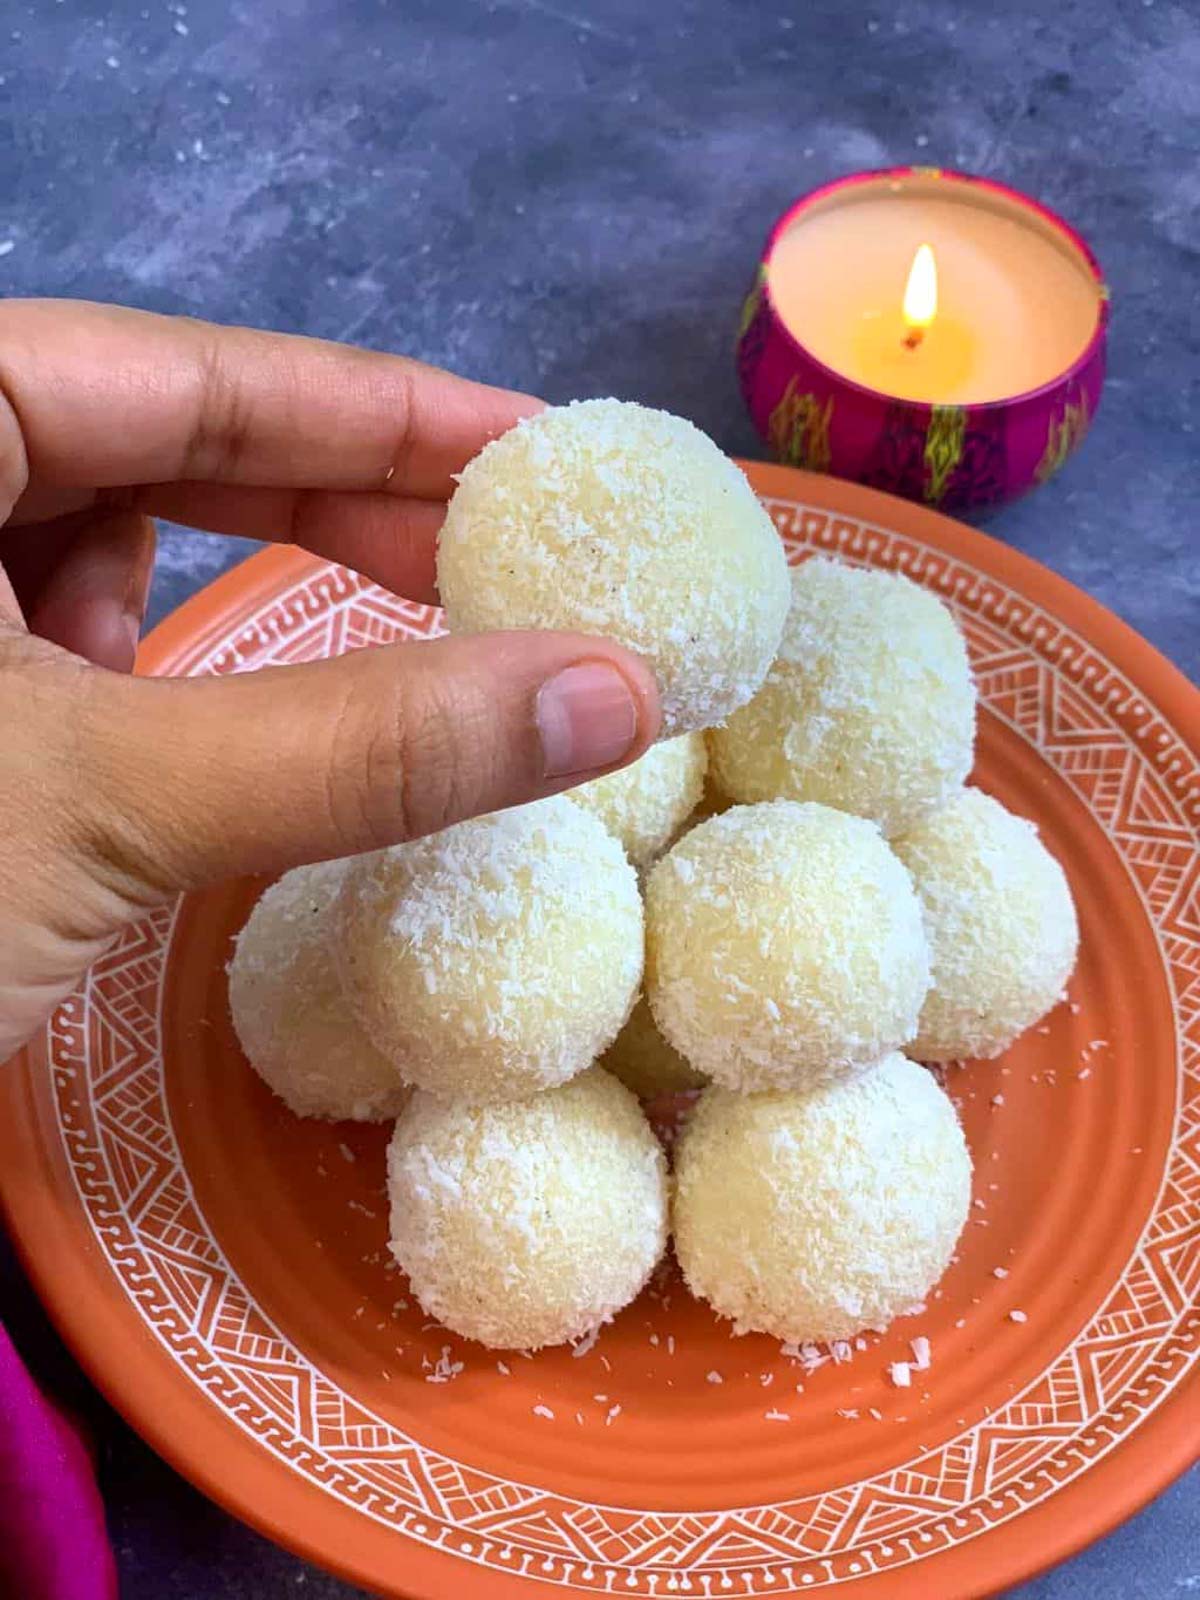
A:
(221, 1269)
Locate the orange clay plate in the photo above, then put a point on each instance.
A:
(221, 1269)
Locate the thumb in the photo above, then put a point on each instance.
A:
(194, 780)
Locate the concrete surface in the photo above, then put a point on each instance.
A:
(568, 196)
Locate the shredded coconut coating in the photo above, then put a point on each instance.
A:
(870, 706)
(646, 804)
(610, 518)
(784, 945)
(1002, 929)
(645, 1062)
(289, 1011)
(498, 958)
(531, 1223)
(811, 1215)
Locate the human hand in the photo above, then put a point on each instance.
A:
(117, 792)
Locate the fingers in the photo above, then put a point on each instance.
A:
(386, 538)
(344, 451)
(389, 539)
(100, 396)
(194, 780)
(83, 584)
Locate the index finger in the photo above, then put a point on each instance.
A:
(101, 397)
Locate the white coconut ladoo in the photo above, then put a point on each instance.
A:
(646, 804)
(645, 1062)
(869, 707)
(498, 958)
(784, 945)
(290, 1014)
(531, 1223)
(614, 519)
(813, 1215)
(1003, 933)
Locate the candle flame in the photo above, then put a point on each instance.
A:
(921, 291)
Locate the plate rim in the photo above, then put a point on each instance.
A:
(1060, 596)
(1161, 1448)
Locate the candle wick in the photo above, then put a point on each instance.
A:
(913, 338)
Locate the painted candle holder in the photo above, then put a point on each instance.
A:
(968, 457)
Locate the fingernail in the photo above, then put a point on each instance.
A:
(137, 592)
(587, 719)
(131, 627)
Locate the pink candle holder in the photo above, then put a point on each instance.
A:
(957, 457)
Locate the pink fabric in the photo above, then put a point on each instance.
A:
(53, 1544)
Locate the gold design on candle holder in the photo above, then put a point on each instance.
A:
(1064, 433)
(752, 301)
(799, 429)
(944, 440)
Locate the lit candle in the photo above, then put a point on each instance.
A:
(919, 306)
(893, 303)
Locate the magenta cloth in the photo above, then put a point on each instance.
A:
(53, 1543)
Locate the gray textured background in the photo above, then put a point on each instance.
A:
(568, 196)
